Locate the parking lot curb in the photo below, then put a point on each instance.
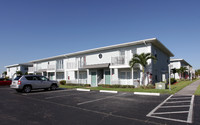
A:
(147, 93)
(108, 91)
(87, 90)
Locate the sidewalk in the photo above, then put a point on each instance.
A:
(190, 89)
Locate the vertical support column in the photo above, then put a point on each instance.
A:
(110, 76)
(47, 75)
(169, 66)
(78, 76)
(55, 75)
(132, 77)
(55, 71)
(117, 76)
(88, 76)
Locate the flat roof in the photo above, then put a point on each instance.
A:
(154, 41)
(180, 60)
(20, 64)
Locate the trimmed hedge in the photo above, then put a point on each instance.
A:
(63, 82)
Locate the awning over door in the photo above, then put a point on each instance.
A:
(96, 66)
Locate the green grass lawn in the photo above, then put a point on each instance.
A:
(197, 92)
(70, 86)
(174, 88)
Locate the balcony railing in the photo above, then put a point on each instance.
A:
(119, 60)
(51, 67)
(75, 65)
(71, 65)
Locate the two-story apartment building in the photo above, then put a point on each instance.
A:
(107, 65)
(12, 69)
(177, 64)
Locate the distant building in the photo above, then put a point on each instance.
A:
(177, 64)
(12, 69)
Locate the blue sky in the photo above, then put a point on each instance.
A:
(35, 29)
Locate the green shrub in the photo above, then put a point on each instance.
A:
(63, 82)
(173, 80)
(150, 86)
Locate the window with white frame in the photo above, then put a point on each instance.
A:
(59, 64)
(125, 75)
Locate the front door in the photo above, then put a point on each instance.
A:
(93, 79)
(107, 77)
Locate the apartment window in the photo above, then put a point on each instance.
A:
(125, 75)
(59, 64)
(122, 53)
(134, 51)
(122, 75)
(155, 53)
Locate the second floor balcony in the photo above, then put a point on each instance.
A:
(75, 65)
(118, 60)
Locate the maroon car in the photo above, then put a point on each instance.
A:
(4, 81)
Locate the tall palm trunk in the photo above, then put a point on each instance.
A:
(143, 76)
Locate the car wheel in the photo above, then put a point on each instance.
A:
(27, 89)
(53, 87)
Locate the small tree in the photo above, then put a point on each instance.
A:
(4, 73)
(19, 73)
(142, 60)
(181, 71)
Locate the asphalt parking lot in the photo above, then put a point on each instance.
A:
(71, 107)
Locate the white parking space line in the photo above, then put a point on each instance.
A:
(175, 106)
(178, 112)
(189, 120)
(181, 98)
(150, 114)
(177, 101)
(176, 120)
(79, 89)
(86, 102)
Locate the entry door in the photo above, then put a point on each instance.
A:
(107, 77)
(93, 79)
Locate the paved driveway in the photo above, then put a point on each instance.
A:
(71, 107)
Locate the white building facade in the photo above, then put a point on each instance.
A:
(177, 64)
(12, 69)
(107, 65)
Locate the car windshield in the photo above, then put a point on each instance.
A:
(17, 78)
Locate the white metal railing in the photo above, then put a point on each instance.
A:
(71, 65)
(75, 65)
(51, 67)
(119, 60)
(31, 69)
(81, 64)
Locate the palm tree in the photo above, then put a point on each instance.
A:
(181, 71)
(174, 70)
(142, 60)
(4, 73)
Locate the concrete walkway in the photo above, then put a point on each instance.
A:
(190, 89)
